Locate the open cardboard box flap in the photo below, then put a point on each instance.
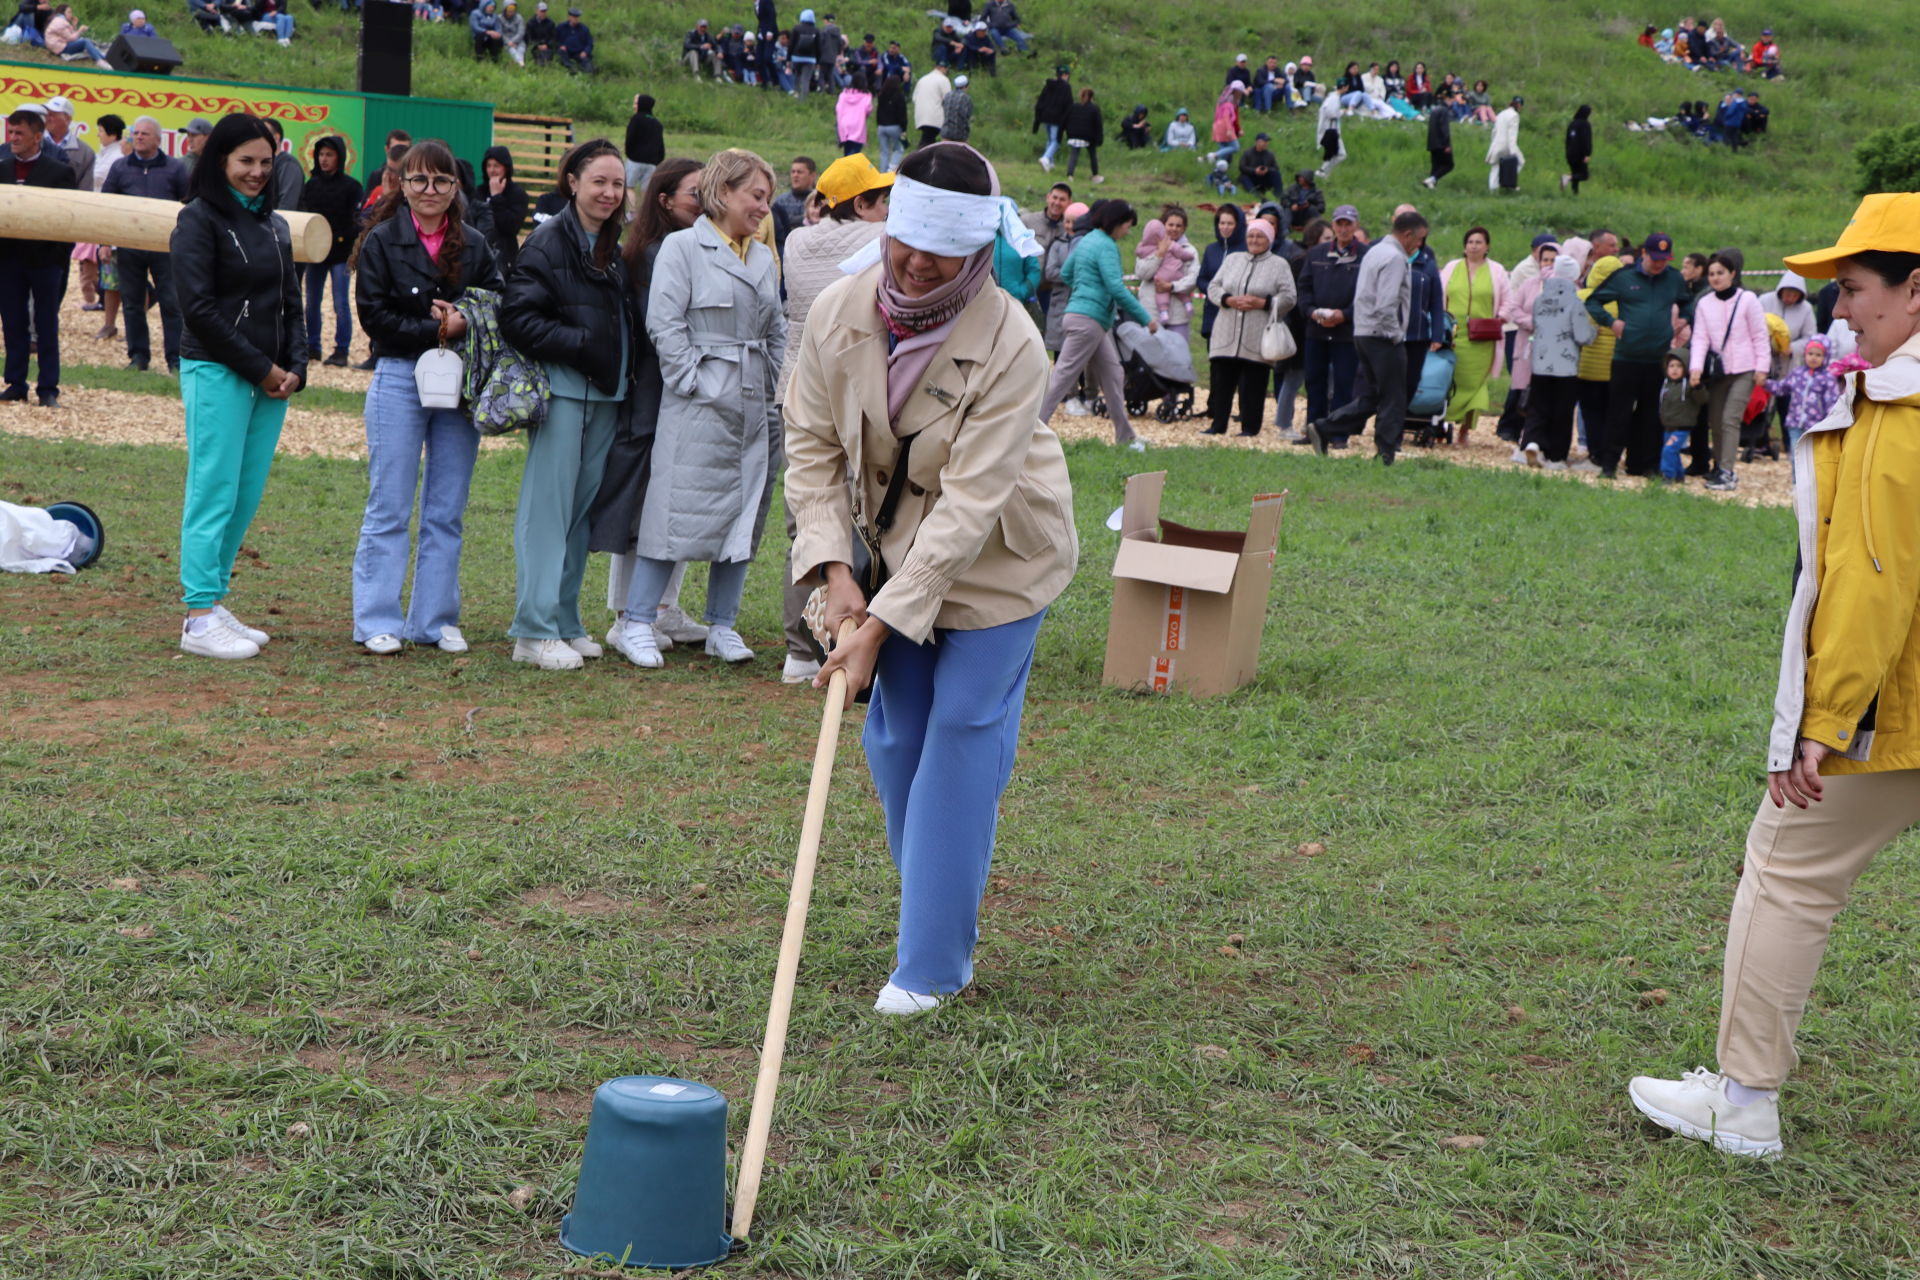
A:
(1176, 566)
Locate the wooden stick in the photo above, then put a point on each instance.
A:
(126, 222)
(753, 1155)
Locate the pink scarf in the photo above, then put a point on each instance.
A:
(920, 325)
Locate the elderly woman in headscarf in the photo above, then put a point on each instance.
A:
(1247, 285)
(914, 429)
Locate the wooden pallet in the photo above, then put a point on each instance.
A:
(538, 144)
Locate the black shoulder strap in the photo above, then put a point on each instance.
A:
(883, 519)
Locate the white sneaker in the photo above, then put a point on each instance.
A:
(1553, 466)
(1696, 1106)
(382, 644)
(638, 643)
(1137, 445)
(214, 639)
(585, 646)
(798, 670)
(1076, 408)
(725, 644)
(1586, 467)
(1518, 457)
(902, 1003)
(672, 622)
(1098, 179)
(254, 634)
(548, 655)
(451, 641)
(1046, 164)
(1532, 452)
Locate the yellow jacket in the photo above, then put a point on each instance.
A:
(1596, 358)
(1850, 667)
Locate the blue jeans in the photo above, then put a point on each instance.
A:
(1226, 150)
(940, 739)
(399, 430)
(1672, 465)
(317, 275)
(726, 583)
(1014, 34)
(1330, 367)
(892, 149)
(1263, 98)
(86, 46)
(1053, 142)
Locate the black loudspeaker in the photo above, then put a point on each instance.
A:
(386, 47)
(154, 55)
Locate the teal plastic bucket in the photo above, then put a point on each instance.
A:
(653, 1181)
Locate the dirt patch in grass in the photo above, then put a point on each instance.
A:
(586, 903)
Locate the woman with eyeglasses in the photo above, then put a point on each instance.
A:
(415, 260)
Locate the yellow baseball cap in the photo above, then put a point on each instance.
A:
(1889, 222)
(852, 175)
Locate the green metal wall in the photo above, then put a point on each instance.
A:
(467, 127)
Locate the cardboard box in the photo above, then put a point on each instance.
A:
(1188, 604)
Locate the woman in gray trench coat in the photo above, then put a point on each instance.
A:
(713, 313)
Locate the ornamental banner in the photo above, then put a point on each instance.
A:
(306, 115)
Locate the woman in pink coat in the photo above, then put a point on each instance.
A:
(1730, 323)
(850, 112)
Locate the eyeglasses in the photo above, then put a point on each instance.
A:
(437, 182)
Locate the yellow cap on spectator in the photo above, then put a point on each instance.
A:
(850, 176)
(1888, 222)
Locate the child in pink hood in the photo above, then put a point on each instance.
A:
(1165, 257)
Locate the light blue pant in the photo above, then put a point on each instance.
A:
(232, 429)
(317, 275)
(564, 460)
(940, 742)
(892, 149)
(1053, 142)
(398, 431)
(283, 26)
(726, 584)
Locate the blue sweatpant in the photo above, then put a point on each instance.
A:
(232, 429)
(940, 740)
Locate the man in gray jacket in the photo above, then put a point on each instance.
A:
(1381, 300)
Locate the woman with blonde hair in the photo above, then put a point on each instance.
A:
(713, 315)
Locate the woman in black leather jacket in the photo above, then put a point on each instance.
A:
(416, 259)
(243, 352)
(567, 306)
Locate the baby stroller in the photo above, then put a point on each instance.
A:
(1157, 366)
(1427, 406)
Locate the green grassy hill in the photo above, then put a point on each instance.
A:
(1844, 80)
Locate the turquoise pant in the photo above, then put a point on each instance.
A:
(565, 458)
(232, 429)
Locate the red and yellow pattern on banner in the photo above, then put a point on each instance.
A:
(307, 115)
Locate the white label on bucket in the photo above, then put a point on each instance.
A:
(668, 1090)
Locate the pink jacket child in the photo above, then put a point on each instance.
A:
(1174, 257)
(1736, 328)
(850, 112)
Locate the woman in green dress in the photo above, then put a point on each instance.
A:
(1476, 292)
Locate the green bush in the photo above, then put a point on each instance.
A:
(1890, 160)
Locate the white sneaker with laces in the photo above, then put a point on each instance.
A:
(638, 643)
(382, 644)
(585, 646)
(798, 670)
(725, 644)
(1532, 454)
(902, 1003)
(214, 639)
(1518, 457)
(451, 641)
(548, 655)
(671, 621)
(254, 634)
(1696, 1106)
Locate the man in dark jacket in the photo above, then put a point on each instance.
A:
(1426, 310)
(1259, 167)
(289, 179)
(1050, 109)
(1003, 24)
(33, 273)
(543, 36)
(151, 173)
(790, 206)
(1327, 284)
(1304, 201)
(334, 194)
(700, 50)
(1649, 295)
(803, 49)
(833, 43)
(646, 144)
(576, 44)
(1439, 143)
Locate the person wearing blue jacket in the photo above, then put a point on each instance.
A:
(488, 37)
(1094, 278)
(1018, 275)
(576, 44)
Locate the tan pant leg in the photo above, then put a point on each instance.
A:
(1726, 406)
(1800, 868)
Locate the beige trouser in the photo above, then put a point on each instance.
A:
(1801, 865)
(1726, 407)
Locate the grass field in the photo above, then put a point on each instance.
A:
(1483, 801)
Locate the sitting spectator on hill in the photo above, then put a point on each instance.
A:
(1756, 122)
(866, 57)
(1647, 36)
(1136, 131)
(895, 63)
(207, 14)
(1664, 46)
(1180, 134)
(1723, 51)
(1003, 22)
(1766, 56)
(1259, 167)
(484, 26)
(1479, 104)
(513, 33)
(67, 38)
(1240, 72)
(982, 53)
(543, 35)
(700, 50)
(576, 44)
(137, 25)
(1304, 201)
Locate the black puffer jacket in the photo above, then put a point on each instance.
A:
(1085, 124)
(336, 197)
(242, 305)
(1056, 96)
(398, 284)
(561, 308)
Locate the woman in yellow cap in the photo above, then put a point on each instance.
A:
(1843, 758)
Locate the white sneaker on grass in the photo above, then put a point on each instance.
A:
(451, 641)
(585, 646)
(638, 643)
(382, 644)
(548, 655)
(902, 1003)
(725, 644)
(254, 634)
(208, 637)
(671, 622)
(1696, 1106)
(797, 670)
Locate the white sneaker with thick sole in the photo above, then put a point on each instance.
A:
(1696, 1106)
(798, 670)
(725, 644)
(254, 634)
(1074, 407)
(215, 639)
(671, 621)
(548, 655)
(902, 1003)
(1531, 455)
(451, 641)
(382, 644)
(585, 646)
(1518, 457)
(638, 643)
